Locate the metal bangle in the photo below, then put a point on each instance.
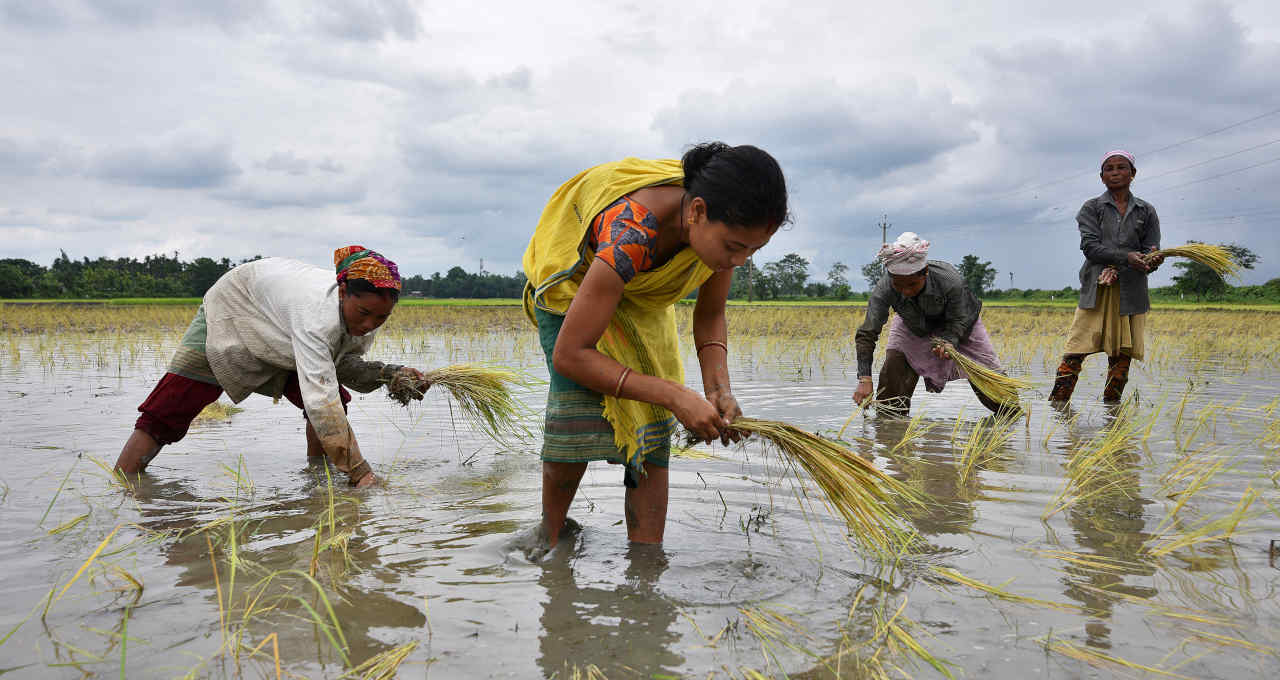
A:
(711, 342)
(617, 389)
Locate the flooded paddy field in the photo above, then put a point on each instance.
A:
(1093, 541)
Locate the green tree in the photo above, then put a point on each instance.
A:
(203, 272)
(789, 274)
(873, 271)
(838, 281)
(746, 281)
(14, 283)
(1200, 281)
(978, 276)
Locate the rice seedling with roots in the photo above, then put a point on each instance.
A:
(1214, 257)
(994, 384)
(483, 393)
(869, 500)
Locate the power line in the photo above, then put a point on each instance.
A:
(1215, 158)
(1144, 154)
(1217, 176)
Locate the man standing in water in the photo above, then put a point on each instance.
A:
(932, 302)
(1117, 230)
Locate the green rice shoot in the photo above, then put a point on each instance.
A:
(863, 495)
(994, 384)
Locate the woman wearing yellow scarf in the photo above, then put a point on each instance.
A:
(616, 247)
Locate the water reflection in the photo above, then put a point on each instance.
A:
(629, 624)
(274, 541)
(927, 462)
(1107, 519)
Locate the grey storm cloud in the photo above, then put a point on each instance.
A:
(263, 192)
(50, 14)
(19, 158)
(1167, 77)
(32, 157)
(369, 21)
(179, 162)
(286, 162)
(825, 128)
(33, 14)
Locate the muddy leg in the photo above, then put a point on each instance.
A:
(137, 452)
(1068, 374)
(646, 506)
(1117, 377)
(559, 484)
(314, 448)
(897, 383)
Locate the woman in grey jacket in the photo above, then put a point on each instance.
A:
(1117, 231)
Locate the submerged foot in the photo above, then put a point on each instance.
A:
(535, 544)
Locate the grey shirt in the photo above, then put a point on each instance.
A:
(1106, 239)
(945, 309)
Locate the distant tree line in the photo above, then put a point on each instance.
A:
(459, 283)
(152, 276)
(787, 278)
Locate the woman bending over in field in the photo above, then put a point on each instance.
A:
(614, 250)
(1117, 230)
(281, 328)
(931, 301)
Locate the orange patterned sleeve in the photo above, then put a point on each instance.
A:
(625, 235)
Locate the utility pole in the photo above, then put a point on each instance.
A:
(751, 284)
(1010, 280)
(884, 229)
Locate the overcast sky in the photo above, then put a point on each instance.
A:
(435, 131)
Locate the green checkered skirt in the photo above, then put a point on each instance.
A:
(576, 430)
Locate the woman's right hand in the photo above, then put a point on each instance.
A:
(863, 393)
(699, 416)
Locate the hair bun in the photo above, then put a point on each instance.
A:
(697, 158)
(741, 185)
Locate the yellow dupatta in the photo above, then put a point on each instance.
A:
(642, 334)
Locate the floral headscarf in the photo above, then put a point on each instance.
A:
(358, 262)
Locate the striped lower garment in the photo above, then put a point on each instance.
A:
(575, 429)
(189, 361)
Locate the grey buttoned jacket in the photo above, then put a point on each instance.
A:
(1107, 239)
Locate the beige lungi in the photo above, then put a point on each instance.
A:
(1103, 329)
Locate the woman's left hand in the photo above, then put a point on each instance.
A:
(728, 407)
(941, 349)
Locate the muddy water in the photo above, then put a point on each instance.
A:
(434, 557)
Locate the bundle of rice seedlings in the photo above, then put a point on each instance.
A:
(1214, 257)
(868, 499)
(994, 384)
(383, 666)
(482, 392)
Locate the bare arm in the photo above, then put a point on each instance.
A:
(575, 356)
(710, 326)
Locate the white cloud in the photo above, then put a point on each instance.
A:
(285, 127)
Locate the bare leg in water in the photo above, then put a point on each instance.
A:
(645, 505)
(559, 485)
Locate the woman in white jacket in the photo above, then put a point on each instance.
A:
(281, 328)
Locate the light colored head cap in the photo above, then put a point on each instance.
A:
(1122, 153)
(906, 255)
